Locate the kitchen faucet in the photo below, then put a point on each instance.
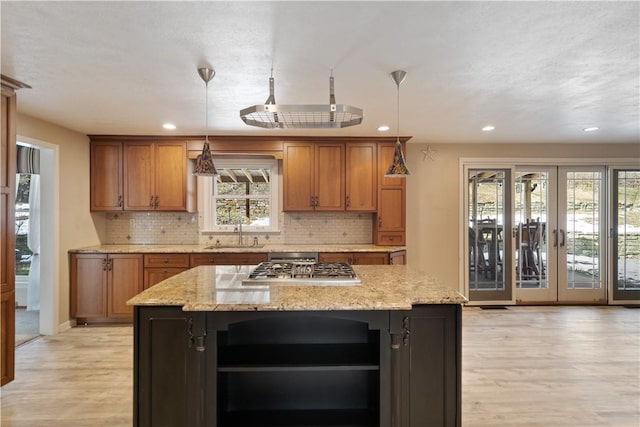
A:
(239, 231)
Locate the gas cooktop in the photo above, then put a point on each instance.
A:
(303, 272)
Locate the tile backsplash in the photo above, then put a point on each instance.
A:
(183, 228)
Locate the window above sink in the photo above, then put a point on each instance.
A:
(246, 190)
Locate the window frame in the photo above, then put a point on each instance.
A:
(208, 201)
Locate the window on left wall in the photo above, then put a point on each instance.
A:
(246, 191)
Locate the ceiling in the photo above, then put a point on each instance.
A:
(539, 72)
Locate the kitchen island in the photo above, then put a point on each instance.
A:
(210, 351)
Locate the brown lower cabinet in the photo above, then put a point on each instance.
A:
(356, 368)
(355, 258)
(101, 285)
(158, 267)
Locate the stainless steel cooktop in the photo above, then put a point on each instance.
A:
(302, 272)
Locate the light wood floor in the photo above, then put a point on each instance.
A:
(524, 366)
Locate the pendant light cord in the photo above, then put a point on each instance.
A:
(206, 112)
(398, 113)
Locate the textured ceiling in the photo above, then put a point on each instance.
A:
(537, 71)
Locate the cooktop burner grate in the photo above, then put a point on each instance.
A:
(306, 271)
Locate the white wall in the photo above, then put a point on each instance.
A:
(433, 194)
(76, 227)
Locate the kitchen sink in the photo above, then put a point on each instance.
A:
(234, 246)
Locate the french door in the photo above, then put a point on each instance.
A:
(536, 234)
(560, 234)
(625, 233)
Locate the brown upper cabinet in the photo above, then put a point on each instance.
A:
(361, 177)
(141, 176)
(322, 176)
(389, 221)
(106, 176)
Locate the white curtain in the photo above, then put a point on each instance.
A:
(33, 241)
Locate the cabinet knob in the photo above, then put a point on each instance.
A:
(151, 202)
(166, 260)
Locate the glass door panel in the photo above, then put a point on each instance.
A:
(626, 230)
(489, 200)
(534, 214)
(581, 236)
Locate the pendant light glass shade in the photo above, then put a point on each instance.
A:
(398, 167)
(204, 161)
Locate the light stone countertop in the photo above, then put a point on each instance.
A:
(220, 288)
(210, 248)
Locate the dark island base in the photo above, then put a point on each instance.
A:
(330, 368)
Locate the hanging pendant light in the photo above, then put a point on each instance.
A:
(398, 167)
(204, 161)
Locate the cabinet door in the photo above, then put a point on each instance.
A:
(106, 176)
(168, 359)
(361, 179)
(298, 176)
(7, 341)
(430, 358)
(371, 258)
(139, 160)
(329, 177)
(88, 286)
(125, 280)
(391, 209)
(398, 258)
(170, 176)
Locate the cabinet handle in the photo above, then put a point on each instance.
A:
(120, 201)
(109, 265)
(312, 202)
(166, 260)
(348, 201)
(156, 204)
(151, 202)
(104, 264)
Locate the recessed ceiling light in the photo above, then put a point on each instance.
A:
(169, 126)
(488, 128)
(591, 129)
(383, 128)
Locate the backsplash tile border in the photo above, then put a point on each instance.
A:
(157, 228)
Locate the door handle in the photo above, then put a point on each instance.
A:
(564, 239)
(555, 238)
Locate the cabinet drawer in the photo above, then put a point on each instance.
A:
(156, 275)
(227, 259)
(391, 239)
(166, 260)
(371, 258)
